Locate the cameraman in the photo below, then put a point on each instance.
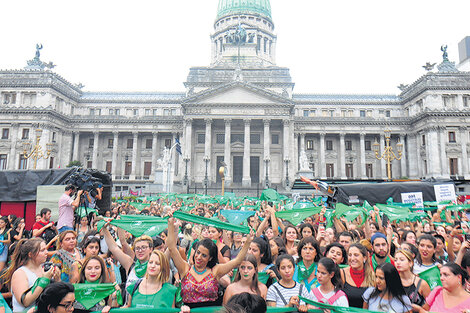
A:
(44, 228)
(67, 207)
(93, 195)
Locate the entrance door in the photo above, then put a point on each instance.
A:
(237, 166)
(254, 169)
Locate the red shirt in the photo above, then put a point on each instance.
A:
(39, 224)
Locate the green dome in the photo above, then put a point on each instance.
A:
(226, 7)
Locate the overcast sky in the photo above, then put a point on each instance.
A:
(334, 46)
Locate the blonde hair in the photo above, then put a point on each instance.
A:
(164, 274)
(62, 236)
(143, 238)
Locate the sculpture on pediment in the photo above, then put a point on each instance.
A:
(38, 47)
(303, 162)
(445, 56)
(238, 38)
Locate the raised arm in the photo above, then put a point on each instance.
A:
(182, 266)
(222, 269)
(125, 246)
(125, 260)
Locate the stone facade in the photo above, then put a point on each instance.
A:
(242, 110)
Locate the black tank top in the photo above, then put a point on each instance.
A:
(354, 295)
(413, 293)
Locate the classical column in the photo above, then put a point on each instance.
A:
(227, 152)
(403, 157)
(188, 144)
(443, 153)
(76, 143)
(413, 151)
(134, 155)
(463, 140)
(322, 165)
(285, 148)
(114, 161)
(208, 149)
(342, 157)
(434, 162)
(267, 151)
(174, 159)
(13, 139)
(302, 142)
(155, 153)
(246, 180)
(362, 163)
(383, 163)
(296, 163)
(96, 135)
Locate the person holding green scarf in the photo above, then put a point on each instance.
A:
(92, 273)
(141, 250)
(381, 250)
(306, 268)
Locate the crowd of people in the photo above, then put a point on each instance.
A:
(86, 263)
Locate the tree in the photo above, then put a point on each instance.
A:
(74, 163)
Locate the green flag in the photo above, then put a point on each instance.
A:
(210, 222)
(140, 206)
(81, 211)
(297, 216)
(332, 308)
(90, 294)
(236, 217)
(269, 195)
(139, 225)
(394, 212)
(432, 276)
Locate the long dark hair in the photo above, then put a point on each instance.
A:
(281, 246)
(264, 250)
(315, 245)
(307, 225)
(332, 267)
(457, 270)
(393, 287)
(52, 295)
(433, 242)
(254, 282)
(102, 278)
(213, 252)
(340, 246)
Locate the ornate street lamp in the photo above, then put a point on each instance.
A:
(388, 155)
(206, 178)
(37, 153)
(186, 179)
(287, 160)
(266, 180)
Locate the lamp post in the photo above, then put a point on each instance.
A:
(36, 153)
(206, 178)
(186, 179)
(286, 160)
(388, 155)
(222, 171)
(266, 180)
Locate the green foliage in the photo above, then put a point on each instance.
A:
(74, 163)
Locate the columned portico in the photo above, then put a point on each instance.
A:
(188, 145)
(267, 152)
(383, 165)
(403, 157)
(322, 164)
(341, 157)
(155, 154)
(246, 180)
(96, 137)
(227, 151)
(208, 148)
(362, 152)
(114, 161)
(287, 160)
(76, 143)
(135, 136)
(14, 135)
(463, 140)
(442, 152)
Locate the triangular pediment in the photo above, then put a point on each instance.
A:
(237, 93)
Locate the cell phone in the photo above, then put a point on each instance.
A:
(270, 203)
(467, 237)
(296, 242)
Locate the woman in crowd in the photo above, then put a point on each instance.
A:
(4, 241)
(17, 233)
(388, 295)
(67, 254)
(409, 237)
(286, 292)
(337, 253)
(153, 291)
(56, 298)
(416, 288)
(236, 244)
(426, 257)
(306, 268)
(90, 246)
(93, 272)
(277, 247)
(452, 296)
(307, 230)
(224, 250)
(291, 237)
(83, 228)
(199, 284)
(330, 284)
(246, 280)
(358, 276)
(25, 269)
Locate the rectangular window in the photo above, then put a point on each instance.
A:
(220, 139)
(330, 170)
(168, 143)
(387, 113)
(23, 164)
(451, 136)
(89, 164)
(3, 161)
(148, 143)
(147, 168)
(449, 101)
(5, 133)
(136, 112)
(348, 145)
(111, 111)
(466, 100)
(349, 170)
(367, 145)
(423, 140)
(51, 162)
(306, 113)
(362, 113)
(97, 111)
(130, 143)
(92, 111)
(9, 98)
(369, 172)
(173, 111)
(237, 138)
(91, 142)
(255, 139)
(54, 136)
(201, 138)
(155, 112)
(127, 168)
(117, 111)
(109, 166)
(117, 188)
(453, 166)
(369, 113)
(25, 134)
(166, 112)
(329, 145)
(325, 113)
(274, 139)
(147, 112)
(110, 143)
(29, 98)
(310, 144)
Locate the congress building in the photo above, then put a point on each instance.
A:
(241, 111)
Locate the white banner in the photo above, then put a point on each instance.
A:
(413, 197)
(445, 192)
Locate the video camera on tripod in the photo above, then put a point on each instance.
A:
(84, 181)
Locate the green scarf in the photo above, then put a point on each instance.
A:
(210, 222)
(139, 225)
(296, 216)
(375, 264)
(89, 294)
(432, 276)
(304, 272)
(334, 309)
(140, 268)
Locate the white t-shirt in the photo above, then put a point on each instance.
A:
(418, 268)
(287, 293)
(341, 301)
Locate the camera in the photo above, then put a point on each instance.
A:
(48, 265)
(84, 181)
